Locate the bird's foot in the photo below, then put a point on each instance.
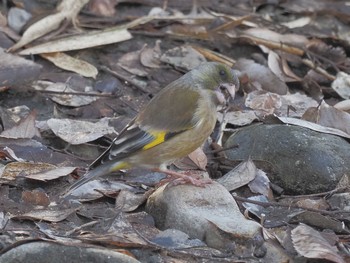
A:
(176, 178)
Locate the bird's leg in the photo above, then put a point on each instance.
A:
(181, 178)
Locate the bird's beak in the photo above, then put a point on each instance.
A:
(230, 88)
(225, 93)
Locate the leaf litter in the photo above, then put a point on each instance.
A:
(297, 76)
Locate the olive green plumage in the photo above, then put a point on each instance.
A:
(173, 124)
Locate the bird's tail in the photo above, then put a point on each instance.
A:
(100, 170)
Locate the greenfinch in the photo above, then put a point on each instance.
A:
(174, 123)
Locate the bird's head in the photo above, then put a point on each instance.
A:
(218, 78)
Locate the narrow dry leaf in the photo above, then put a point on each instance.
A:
(49, 215)
(269, 35)
(67, 10)
(67, 97)
(87, 40)
(78, 132)
(25, 129)
(309, 243)
(69, 63)
(275, 64)
(299, 22)
(329, 116)
(51, 174)
(313, 126)
(241, 175)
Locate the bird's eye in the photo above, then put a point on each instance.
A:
(222, 73)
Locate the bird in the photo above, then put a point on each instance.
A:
(175, 122)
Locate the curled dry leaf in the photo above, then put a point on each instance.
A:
(311, 244)
(150, 57)
(67, 10)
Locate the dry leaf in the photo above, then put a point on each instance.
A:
(241, 175)
(87, 40)
(12, 170)
(69, 63)
(67, 97)
(341, 85)
(329, 116)
(25, 129)
(51, 174)
(78, 132)
(49, 215)
(313, 126)
(309, 243)
(67, 10)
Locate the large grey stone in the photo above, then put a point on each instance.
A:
(209, 214)
(43, 252)
(298, 159)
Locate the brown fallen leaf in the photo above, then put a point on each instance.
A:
(310, 244)
(25, 129)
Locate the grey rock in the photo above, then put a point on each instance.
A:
(43, 252)
(298, 159)
(209, 214)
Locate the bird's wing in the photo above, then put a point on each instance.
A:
(158, 122)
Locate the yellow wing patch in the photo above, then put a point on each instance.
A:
(120, 166)
(159, 137)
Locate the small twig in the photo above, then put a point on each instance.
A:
(318, 69)
(267, 204)
(328, 193)
(77, 93)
